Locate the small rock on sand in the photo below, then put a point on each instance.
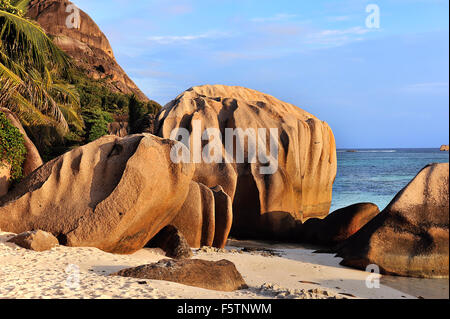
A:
(35, 240)
(221, 275)
(172, 241)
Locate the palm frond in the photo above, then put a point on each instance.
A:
(26, 43)
(21, 4)
(73, 117)
(29, 65)
(7, 73)
(29, 114)
(12, 67)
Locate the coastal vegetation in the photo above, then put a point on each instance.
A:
(34, 76)
(12, 148)
(59, 105)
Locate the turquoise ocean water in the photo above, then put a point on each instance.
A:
(376, 176)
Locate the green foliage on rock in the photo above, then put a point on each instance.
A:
(12, 147)
(97, 123)
(137, 110)
(21, 5)
(58, 104)
(34, 73)
(99, 106)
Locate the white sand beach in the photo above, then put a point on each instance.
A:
(29, 274)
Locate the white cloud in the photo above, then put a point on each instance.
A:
(337, 37)
(173, 39)
(339, 18)
(275, 18)
(350, 31)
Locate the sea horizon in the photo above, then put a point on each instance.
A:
(386, 148)
(377, 175)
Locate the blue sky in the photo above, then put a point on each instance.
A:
(377, 88)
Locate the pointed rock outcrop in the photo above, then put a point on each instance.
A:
(80, 37)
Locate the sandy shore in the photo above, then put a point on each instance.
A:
(291, 273)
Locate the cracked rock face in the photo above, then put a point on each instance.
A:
(264, 205)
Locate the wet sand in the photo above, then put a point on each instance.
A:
(417, 287)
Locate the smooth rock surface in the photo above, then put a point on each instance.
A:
(411, 236)
(5, 176)
(196, 219)
(223, 214)
(206, 216)
(114, 194)
(339, 225)
(264, 205)
(35, 240)
(221, 275)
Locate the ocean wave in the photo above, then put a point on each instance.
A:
(367, 151)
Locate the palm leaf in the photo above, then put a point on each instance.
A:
(28, 87)
(72, 116)
(29, 114)
(21, 4)
(26, 43)
(6, 73)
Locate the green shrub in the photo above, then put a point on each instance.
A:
(99, 106)
(12, 147)
(97, 122)
(137, 110)
(153, 107)
(96, 93)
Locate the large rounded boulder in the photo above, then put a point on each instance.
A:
(114, 194)
(275, 161)
(339, 225)
(411, 236)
